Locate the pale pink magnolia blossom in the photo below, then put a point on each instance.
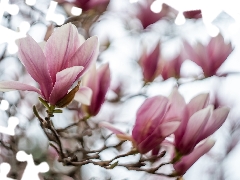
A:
(84, 95)
(147, 17)
(98, 80)
(197, 121)
(211, 56)
(56, 64)
(187, 161)
(172, 68)
(151, 126)
(149, 63)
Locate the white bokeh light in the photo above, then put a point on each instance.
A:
(4, 170)
(12, 9)
(51, 16)
(4, 105)
(133, 1)
(156, 6)
(24, 27)
(13, 120)
(31, 170)
(12, 48)
(180, 19)
(234, 28)
(10, 129)
(76, 11)
(30, 2)
(212, 30)
(59, 19)
(51, 10)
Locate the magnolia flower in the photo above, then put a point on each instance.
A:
(187, 161)
(209, 57)
(56, 64)
(151, 126)
(171, 68)
(147, 17)
(98, 81)
(150, 63)
(198, 121)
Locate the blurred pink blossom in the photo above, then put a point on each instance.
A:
(198, 121)
(99, 81)
(211, 56)
(151, 126)
(153, 65)
(149, 63)
(187, 161)
(147, 17)
(56, 64)
(171, 68)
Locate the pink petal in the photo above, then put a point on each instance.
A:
(177, 111)
(172, 68)
(177, 105)
(60, 48)
(156, 150)
(149, 143)
(216, 120)
(197, 103)
(218, 51)
(190, 51)
(149, 64)
(90, 79)
(64, 81)
(187, 161)
(84, 95)
(81, 38)
(125, 137)
(202, 58)
(15, 85)
(194, 129)
(157, 136)
(100, 88)
(42, 45)
(198, 54)
(168, 128)
(149, 116)
(110, 127)
(31, 55)
(152, 108)
(85, 55)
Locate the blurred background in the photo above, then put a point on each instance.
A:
(189, 44)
